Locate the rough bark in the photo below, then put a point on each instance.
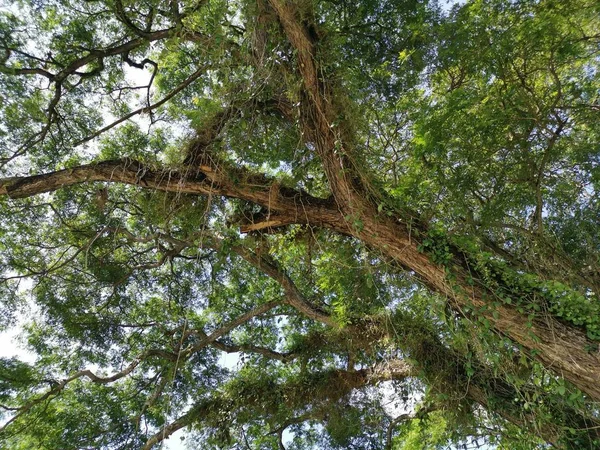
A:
(377, 233)
(309, 391)
(284, 206)
(559, 347)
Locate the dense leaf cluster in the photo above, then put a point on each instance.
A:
(296, 224)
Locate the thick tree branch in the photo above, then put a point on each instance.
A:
(293, 296)
(214, 179)
(318, 115)
(558, 346)
(313, 390)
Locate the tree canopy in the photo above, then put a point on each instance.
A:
(297, 224)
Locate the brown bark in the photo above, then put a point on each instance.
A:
(333, 384)
(283, 207)
(559, 347)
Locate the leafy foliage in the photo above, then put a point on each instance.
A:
(299, 224)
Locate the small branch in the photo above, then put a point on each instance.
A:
(280, 440)
(62, 385)
(267, 352)
(293, 296)
(208, 339)
(393, 424)
(145, 109)
(167, 430)
(25, 71)
(141, 65)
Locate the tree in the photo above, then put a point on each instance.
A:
(340, 194)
